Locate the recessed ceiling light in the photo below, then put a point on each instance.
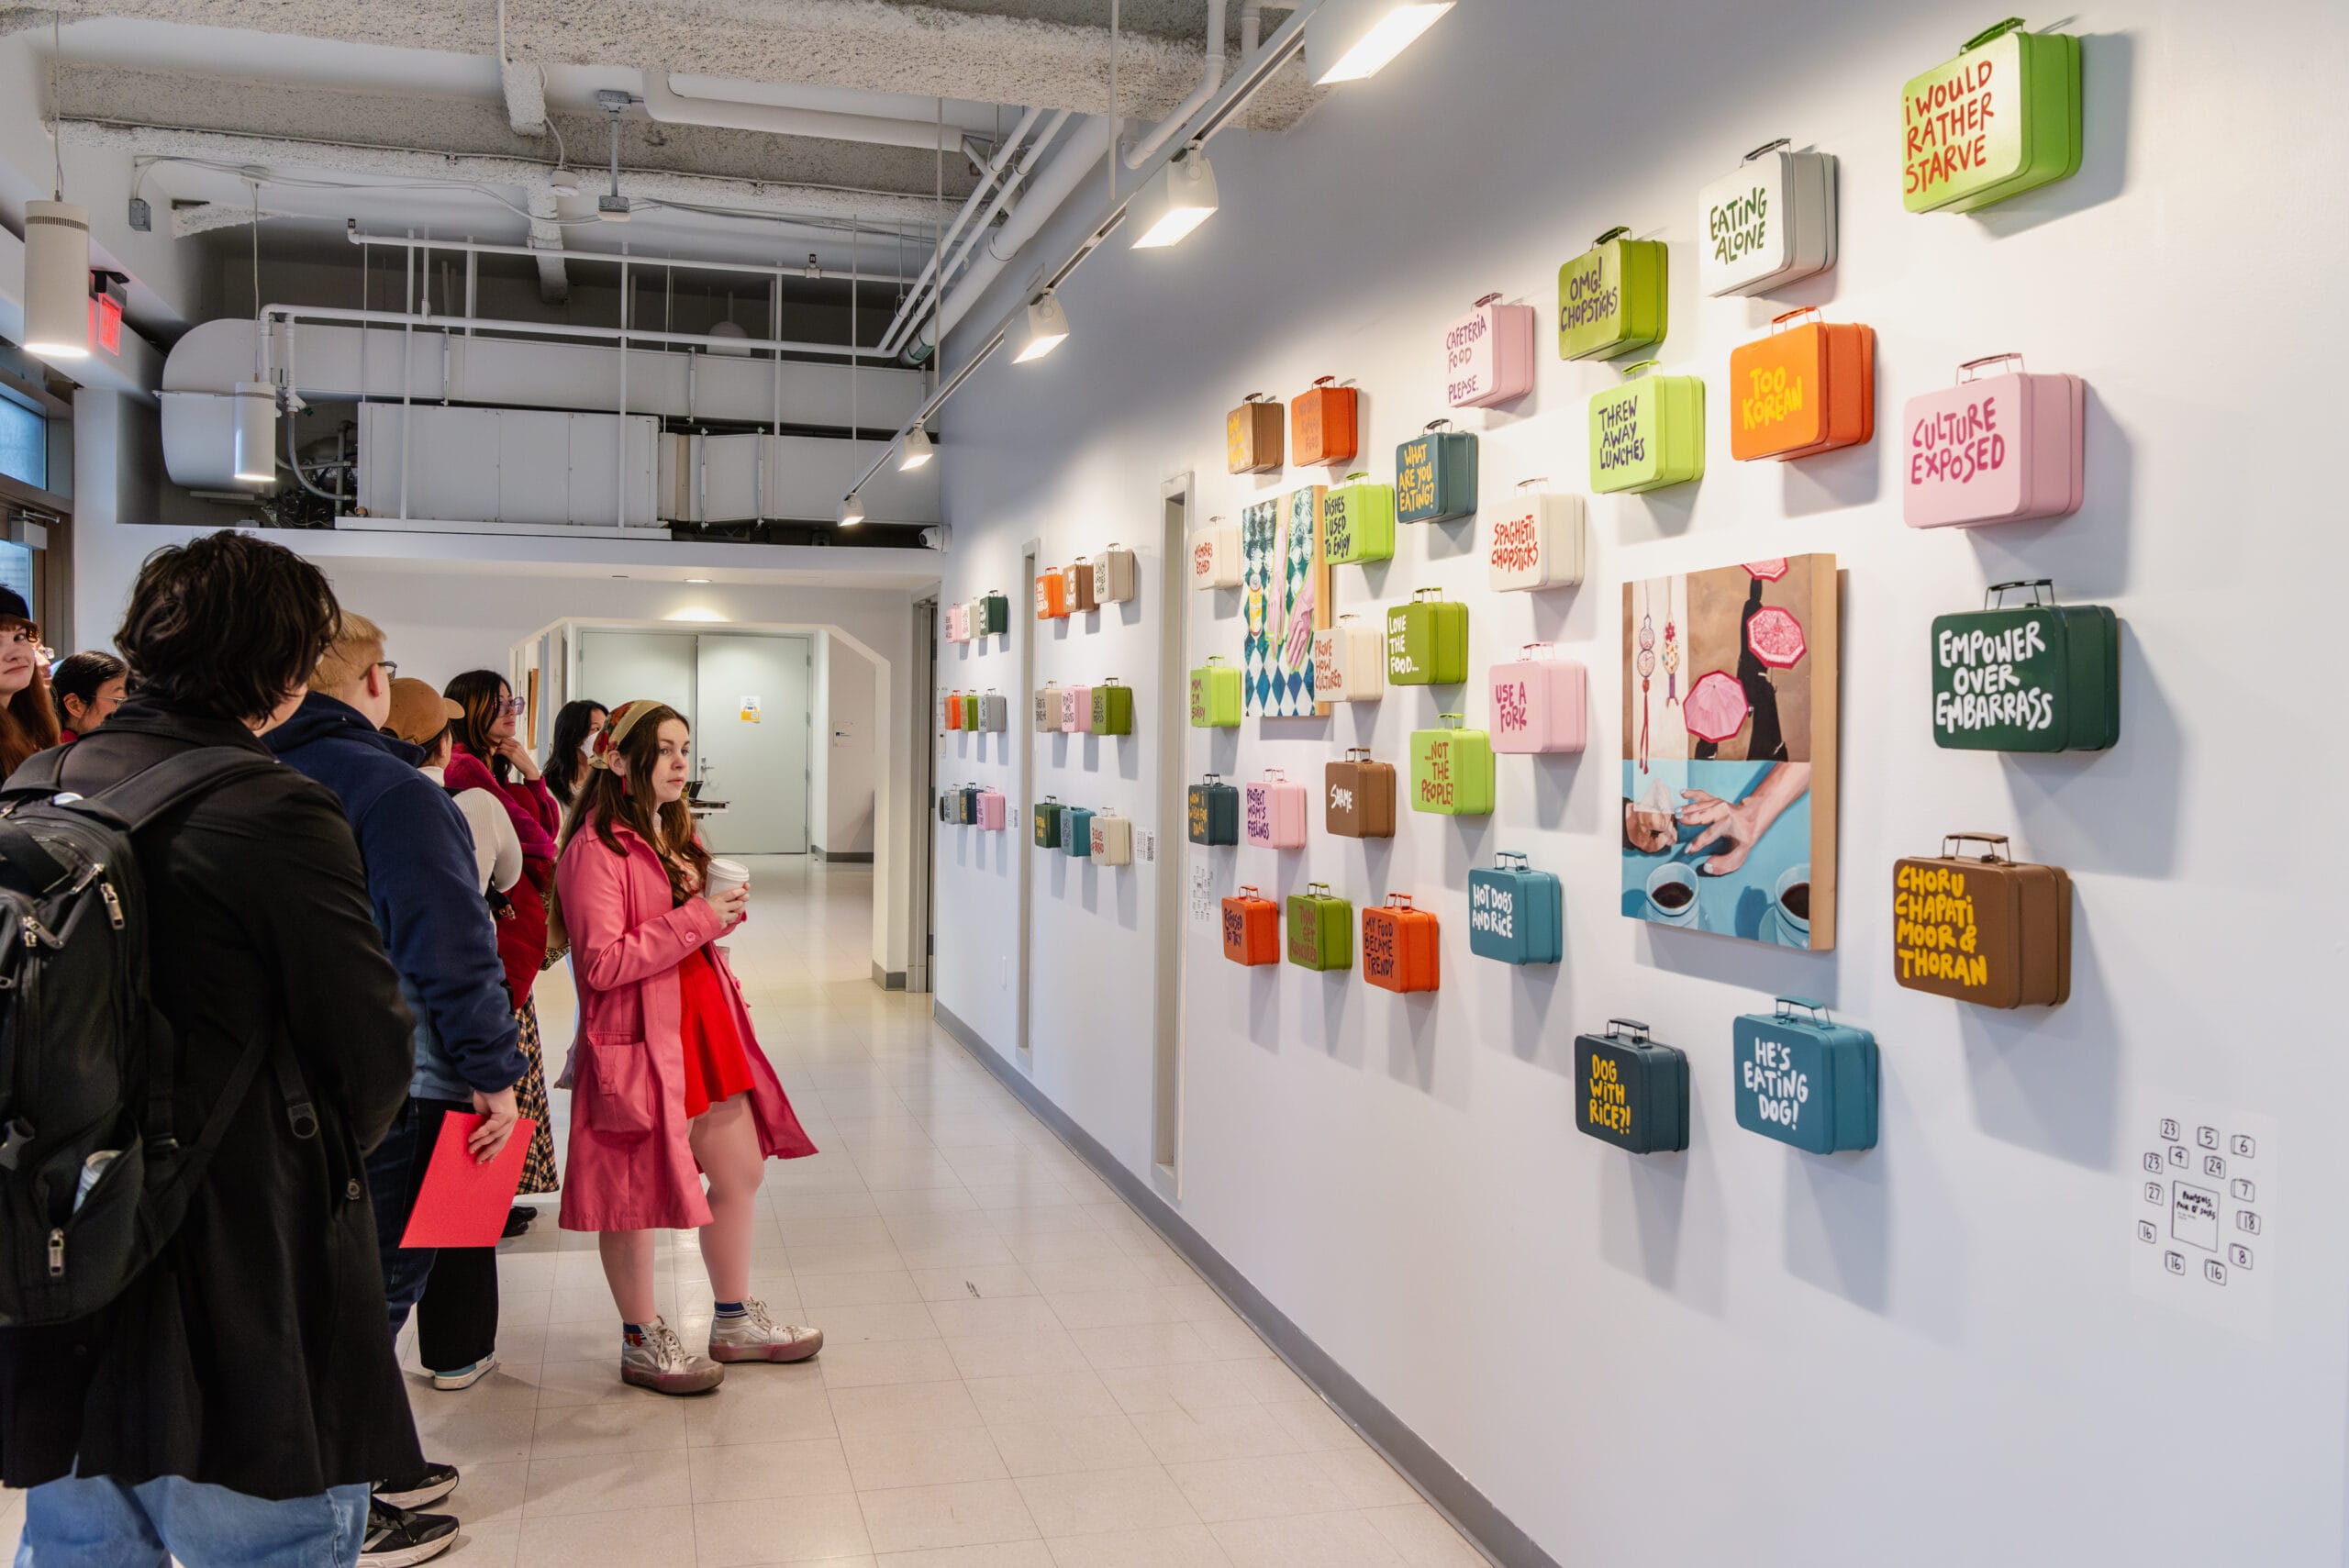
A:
(697, 579)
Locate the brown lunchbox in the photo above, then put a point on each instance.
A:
(1359, 797)
(1982, 929)
(1251, 435)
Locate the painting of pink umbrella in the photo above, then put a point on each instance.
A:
(1775, 638)
(1715, 707)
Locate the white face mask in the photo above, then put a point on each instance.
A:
(587, 747)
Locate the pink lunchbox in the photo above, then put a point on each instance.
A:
(1541, 703)
(991, 810)
(1076, 709)
(1488, 354)
(958, 623)
(1276, 812)
(1994, 449)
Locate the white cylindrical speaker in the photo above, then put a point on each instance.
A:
(57, 281)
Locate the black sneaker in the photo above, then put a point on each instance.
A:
(429, 1484)
(517, 1221)
(395, 1538)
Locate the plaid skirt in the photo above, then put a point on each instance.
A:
(530, 1095)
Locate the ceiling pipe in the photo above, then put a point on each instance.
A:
(681, 263)
(479, 324)
(937, 276)
(668, 106)
(996, 169)
(1046, 196)
(1210, 78)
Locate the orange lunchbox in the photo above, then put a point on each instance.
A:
(1802, 390)
(1251, 435)
(1251, 928)
(1321, 424)
(1398, 946)
(1052, 594)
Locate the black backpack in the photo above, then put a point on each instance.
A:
(86, 1061)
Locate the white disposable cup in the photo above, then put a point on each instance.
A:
(724, 876)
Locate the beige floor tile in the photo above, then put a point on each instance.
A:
(1006, 1316)
(983, 1283)
(741, 1472)
(1146, 1344)
(1059, 1448)
(1042, 1396)
(1002, 1554)
(876, 1321)
(1366, 1479)
(1236, 1431)
(1121, 1308)
(805, 1530)
(1305, 1541)
(887, 1286)
(477, 1436)
(1016, 1355)
(786, 1413)
(631, 1426)
(886, 1361)
(606, 1483)
(489, 1493)
(968, 1513)
(1180, 1546)
(886, 1407)
(1423, 1538)
(1088, 1502)
(1314, 1426)
(490, 1544)
(885, 1461)
(647, 1538)
(1259, 1488)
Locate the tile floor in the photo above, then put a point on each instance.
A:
(1018, 1373)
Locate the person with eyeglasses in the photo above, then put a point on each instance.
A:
(88, 687)
(421, 877)
(28, 716)
(490, 753)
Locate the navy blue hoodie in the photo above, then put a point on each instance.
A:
(420, 876)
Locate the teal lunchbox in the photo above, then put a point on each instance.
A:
(1515, 913)
(1806, 1080)
(1435, 475)
(1076, 831)
(1630, 1091)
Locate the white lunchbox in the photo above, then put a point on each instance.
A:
(1350, 661)
(1536, 540)
(1769, 223)
(1215, 555)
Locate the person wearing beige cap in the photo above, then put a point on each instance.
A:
(420, 716)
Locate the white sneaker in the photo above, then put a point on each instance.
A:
(465, 1376)
(756, 1337)
(661, 1362)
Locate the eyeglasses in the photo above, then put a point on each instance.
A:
(391, 668)
(512, 708)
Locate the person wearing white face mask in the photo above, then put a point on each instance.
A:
(576, 725)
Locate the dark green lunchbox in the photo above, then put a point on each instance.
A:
(2034, 677)
(1048, 823)
(1214, 812)
(1630, 1091)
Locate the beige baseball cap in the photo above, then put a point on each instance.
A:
(419, 713)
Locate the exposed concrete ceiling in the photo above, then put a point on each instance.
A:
(1031, 53)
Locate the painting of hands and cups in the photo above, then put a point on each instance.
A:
(1730, 682)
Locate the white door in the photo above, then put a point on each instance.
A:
(751, 741)
(624, 666)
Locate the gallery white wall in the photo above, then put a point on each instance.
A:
(1928, 1354)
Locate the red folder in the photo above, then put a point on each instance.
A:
(463, 1202)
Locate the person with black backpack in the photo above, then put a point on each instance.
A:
(200, 1039)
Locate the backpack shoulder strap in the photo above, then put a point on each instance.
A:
(176, 780)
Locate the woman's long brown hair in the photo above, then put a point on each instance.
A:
(607, 802)
(481, 694)
(29, 719)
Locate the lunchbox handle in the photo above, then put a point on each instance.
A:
(1487, 300)
(1051, 800)
(1248, 890)
(1419, 595)
(1768, 147)
(1999, 856)
(1210, 781)
(1256, 398)
(1215, 658)
(1436, 425)
(1273, 774)
(1399, 901)
(1781, 319)
(1617, 232)
(1354, 751)
(1357, 475)
(1322, 885)
(1618, 1027)
(1987, 359)
(2043, 593)
(1537, 479)
(1456, 721)
(1217, 518)
(1502, 857)
(1631, 370)
(1995, 30)
(1549, 649)
(1332, 381)
(1109, 680)
(1788, 1005)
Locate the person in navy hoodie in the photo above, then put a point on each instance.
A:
(421, 877)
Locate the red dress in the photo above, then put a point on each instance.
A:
(715, 1068)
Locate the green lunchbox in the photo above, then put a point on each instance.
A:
(1427, 641)
(1358, 521)
(991, 615)
(1320, 928)
(2035, 677)
(1215, 696)
(1612, 298)
(2001, 119)
(1214, 812)
(1048, 823)
(1113, 708)
(1648, 432)
(1452, 769)
(1435, 475)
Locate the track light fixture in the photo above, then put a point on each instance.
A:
(851, 510)
(1046, 328)
(1179, 198)
(917, 451)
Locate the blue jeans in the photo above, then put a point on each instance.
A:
(101, 1523)
(394, 1171)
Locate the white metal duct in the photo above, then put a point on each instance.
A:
(731, 479)
(504, 465)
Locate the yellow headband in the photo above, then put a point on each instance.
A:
(616, 728)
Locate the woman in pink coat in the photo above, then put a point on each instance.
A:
(670, 1085)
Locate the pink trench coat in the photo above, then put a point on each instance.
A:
(630, 1167)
